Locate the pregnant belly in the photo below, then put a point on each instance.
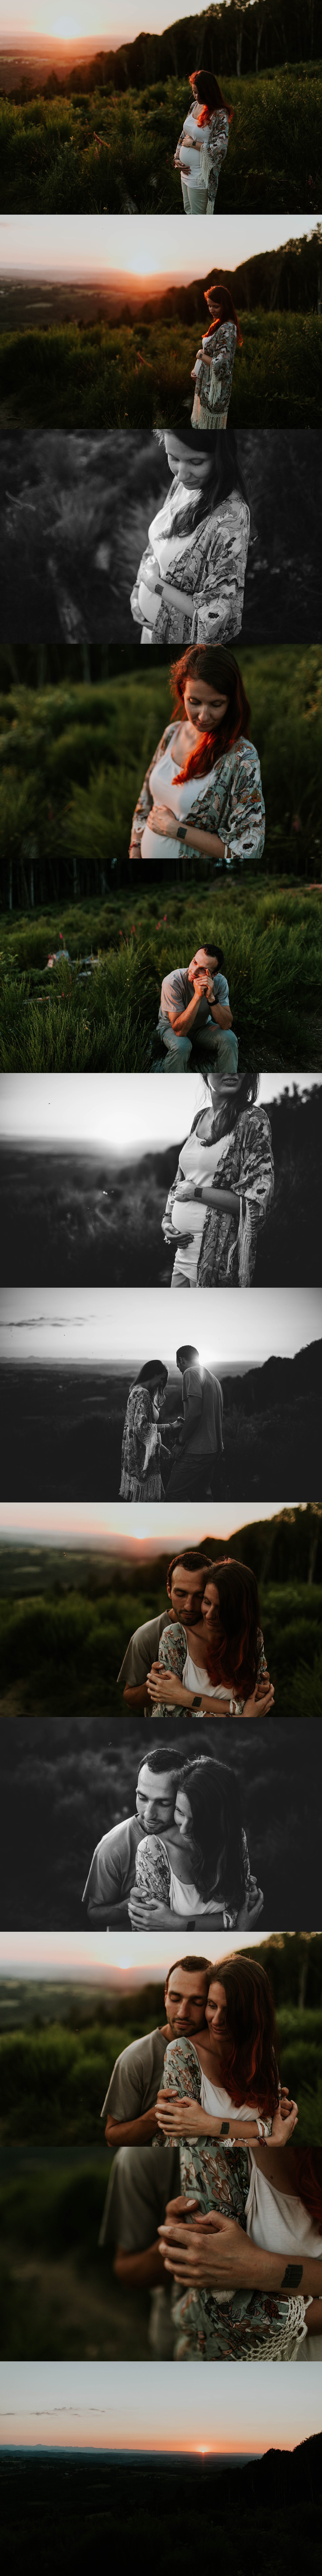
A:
(155, 847)
(191, 162)
(188, 1217)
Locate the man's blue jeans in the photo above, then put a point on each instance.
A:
(219, 1046)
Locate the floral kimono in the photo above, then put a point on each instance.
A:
(172, 1654)
(232, 804)
(209, 564)
(220, 2325)
(141, 1475)
(213, 384)
(228, 1249)
(212, 153)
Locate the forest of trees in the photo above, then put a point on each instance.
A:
(234, 36)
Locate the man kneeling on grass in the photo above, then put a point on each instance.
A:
(140, 2182)
(195, 1014)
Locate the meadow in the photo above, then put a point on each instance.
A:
(103, 153)
(162, 2503)
(72, 760)
(139, 374)
(58, 2295)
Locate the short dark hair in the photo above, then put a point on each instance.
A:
(193, 1560)
(192, 1966)
(213, 950)
(187, 1351)
(164, 1757)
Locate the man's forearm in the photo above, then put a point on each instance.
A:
(184, 1019)
(136, 1698)
(221, 1012)
(132, 2133)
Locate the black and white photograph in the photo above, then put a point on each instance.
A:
(112, 1395)
(93, 523)
(160, 1717)
(211, 1184)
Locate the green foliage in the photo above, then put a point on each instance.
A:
(139, 375)
(56, 2078)
(72, 1648)
(72, 760)
(56, 160)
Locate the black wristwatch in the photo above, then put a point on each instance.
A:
(182, 834)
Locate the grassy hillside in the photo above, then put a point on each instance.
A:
(140, 374)
(90, 153)
(72, 760)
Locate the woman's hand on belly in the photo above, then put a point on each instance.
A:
(163, 822)
(167, 1687)
(260, 1702)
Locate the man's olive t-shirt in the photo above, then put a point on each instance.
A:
(141, 1652)
(177, 992)
(136, 2077)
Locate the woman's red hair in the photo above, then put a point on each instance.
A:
(226, 309)
(233, 1655)
(218, 667)
(252, 2073)
(212, 95)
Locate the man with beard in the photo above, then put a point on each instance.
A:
(141, 2182)
(186, 1578)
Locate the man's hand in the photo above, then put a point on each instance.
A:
(285, 2120)
(165, 1686)
(178, 2117)
(146, 1914)
(261, 1701)
(251, 1909)
(213, 2252)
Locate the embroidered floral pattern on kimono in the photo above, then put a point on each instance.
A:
(228, 1248)
(141, 1474)
(232, 804)
(213, 384)
(172, 1654)
(211, 569)
(212, 154)
(223, 2326)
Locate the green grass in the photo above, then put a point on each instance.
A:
(72, 761)
(272, 943)
(141, 375)
(51, 161)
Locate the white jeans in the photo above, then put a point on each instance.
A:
(195, 200)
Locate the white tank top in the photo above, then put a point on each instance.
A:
(214, 2098)
(197, 1680)
(180, 799)
(199, 1162)
(277, 2220)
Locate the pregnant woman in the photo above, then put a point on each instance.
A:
(220, 2099)
(203, 143)
(203, 787)
(218, 1667)
(203, 1868)
(190, 582)
(223, 1187)
(214, 363)
(141, 1444)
